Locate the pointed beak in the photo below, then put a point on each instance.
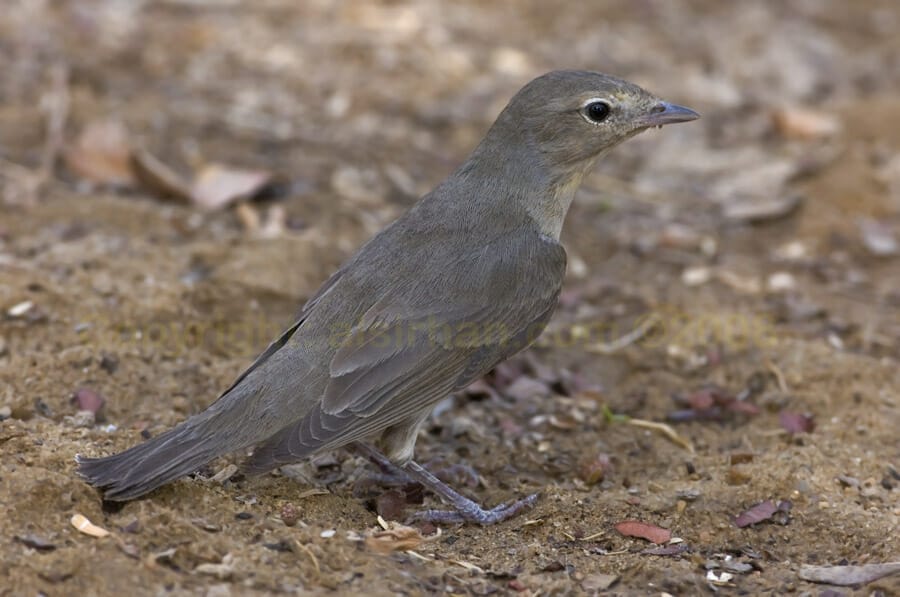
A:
(666, 113)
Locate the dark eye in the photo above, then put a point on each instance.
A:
(597, 111)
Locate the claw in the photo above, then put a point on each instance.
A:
(466, 510)
(476, 513)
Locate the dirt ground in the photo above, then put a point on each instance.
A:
(756, 249)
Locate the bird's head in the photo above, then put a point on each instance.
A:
(571, 117)
(548, 137)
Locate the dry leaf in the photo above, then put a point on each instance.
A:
(396, 537)
(846, 576)
(101, 154)
(391, 504)
(87, 399)
(159, 178)
(643, 530)
(80, 522)
(796, 422)
(804, 123)
(761, 512)
(755, 209)
(217, 186)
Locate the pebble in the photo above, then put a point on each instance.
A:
(695, 276)
(781, 282)
(82, 418)
(20, 309)
(878, 238)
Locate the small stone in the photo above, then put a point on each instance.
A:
(781, 282)
(592, 469)
(20, 309)
(688, 495)
(109, 363)
(878, 238)
(36, 542)
(81, 419)
(792, 251)
(740, 457)
(289, 514)
(695, 276)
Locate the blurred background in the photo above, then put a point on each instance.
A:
(178, 176)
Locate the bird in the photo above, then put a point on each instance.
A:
(467, 277)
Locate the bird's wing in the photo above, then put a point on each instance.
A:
(286, 335)
(413, 346)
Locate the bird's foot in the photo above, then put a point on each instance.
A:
(464, 509)
(472, 512)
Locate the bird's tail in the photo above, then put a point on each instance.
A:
(149, 465)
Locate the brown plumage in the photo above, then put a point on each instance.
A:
(467, 277)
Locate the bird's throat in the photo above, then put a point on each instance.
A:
(549, 208)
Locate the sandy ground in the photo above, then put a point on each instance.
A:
(757, 247)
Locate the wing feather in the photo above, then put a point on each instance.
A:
(383, 375)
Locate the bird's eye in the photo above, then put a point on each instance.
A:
(596, 111)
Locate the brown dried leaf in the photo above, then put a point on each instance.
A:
(391, 504)
(796, 422)
(217, 186)
(796, 122)
(758, 513)
(159, 178)
(396, 537)
(643, 530)
(87, 399)
(101, 154)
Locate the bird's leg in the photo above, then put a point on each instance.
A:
(390, 474)
(465, 510)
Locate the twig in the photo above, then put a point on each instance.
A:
(628, 339)
(57, 106)
(311, 555)
(779, 376)
(666, 430)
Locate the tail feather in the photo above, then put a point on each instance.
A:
(154, 463)
(271, 454)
